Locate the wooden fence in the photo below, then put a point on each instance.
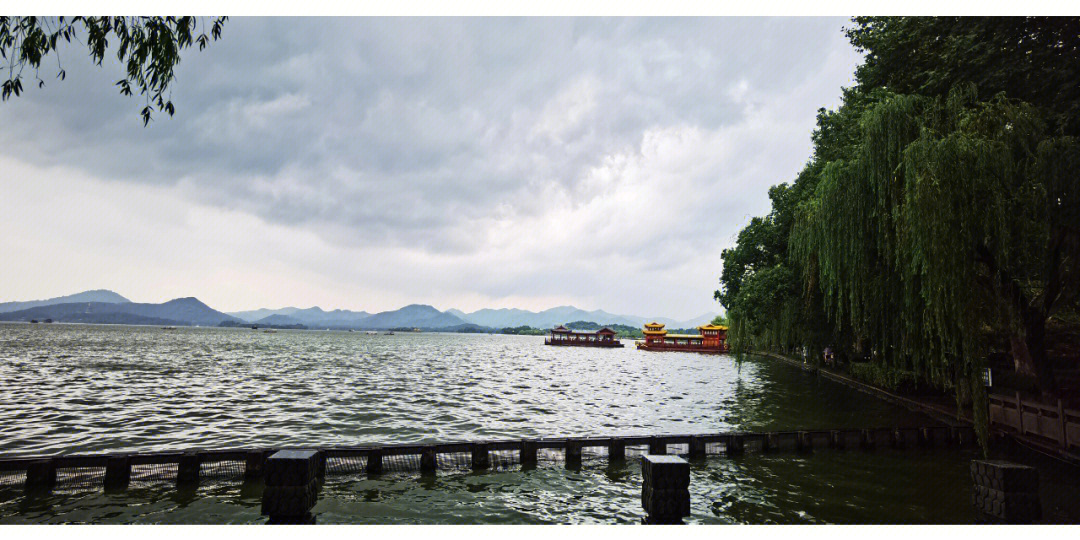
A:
(1053, 424)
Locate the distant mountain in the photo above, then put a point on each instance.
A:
(412, 316)
(178, 312)
(508, 317)
(98, 295)
(314, 316)
(256, 314)
(277, 320)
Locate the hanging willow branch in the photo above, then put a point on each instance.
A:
(149, 48)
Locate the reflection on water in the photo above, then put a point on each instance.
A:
(71, 388)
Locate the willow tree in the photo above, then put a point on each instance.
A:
(148, 47)
(954, 220)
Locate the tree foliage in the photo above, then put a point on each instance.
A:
(149, 48)
(939, 211)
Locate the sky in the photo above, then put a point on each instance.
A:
(370, 163)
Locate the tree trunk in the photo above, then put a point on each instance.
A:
(1036, 345)
(1029, 352)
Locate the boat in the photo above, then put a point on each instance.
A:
(563, 336)
(270, 331)
(711, 339)
(371, 333)
(168, 328)
(389, 333)
(33, 321)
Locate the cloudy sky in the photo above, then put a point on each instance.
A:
(372, 163)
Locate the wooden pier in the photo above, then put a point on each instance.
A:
(184, 469)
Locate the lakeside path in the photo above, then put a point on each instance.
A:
(934, 408)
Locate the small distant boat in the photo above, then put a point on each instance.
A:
(371, 333)
(168, 328)
(389, 333)
(254, 327)
(48, 320)
(33, 321)
(270, 331)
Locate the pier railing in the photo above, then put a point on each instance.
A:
(79, 472)
(1053, 423)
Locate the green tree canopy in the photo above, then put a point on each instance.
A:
(938, 216)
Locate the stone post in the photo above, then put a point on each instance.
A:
(836, 442)
(803, 442)
(528, 453)
(657, 447)
(187, 471)
(117, 473)
(573, 454)
(736, 445)
(291, 487)
(697, 448)
(480, 457)
(40, 476)
(428, 463)
(665, 489)
(254, 463)
(866, 440)
(374, 462)
(1005, 492)
(616, 451)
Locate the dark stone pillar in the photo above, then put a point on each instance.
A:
(866, 439)
(528, 454)
(736, 445)
(291, 487)
(320, 461)
(480, 458)
(697, 448)
(665, 489)
(117, 473)
(428, 463)
(616, 451)
(657, 447)
(374, 462)
(836, 441)
(254, 464)
(768, 443)
(803, 442)
(926, 438)
(187, 472)
(573, 454)
(40, 476)
(1005, 492)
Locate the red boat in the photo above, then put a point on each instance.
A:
(712, 339)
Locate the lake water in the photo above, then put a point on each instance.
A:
(82, 388)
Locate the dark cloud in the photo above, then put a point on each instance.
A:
(455, 136)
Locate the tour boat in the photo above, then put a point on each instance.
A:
(711, 339)
(562, 336)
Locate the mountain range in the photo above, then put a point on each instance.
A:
(181, 311)
(510, 317)
(107, 307)
(99, 295)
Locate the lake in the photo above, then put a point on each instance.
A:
(87, 388)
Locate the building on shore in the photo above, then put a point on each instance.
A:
(710, 339)
(563, 336)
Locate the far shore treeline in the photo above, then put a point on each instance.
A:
(935, 229)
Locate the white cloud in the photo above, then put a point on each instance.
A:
(466, 163)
